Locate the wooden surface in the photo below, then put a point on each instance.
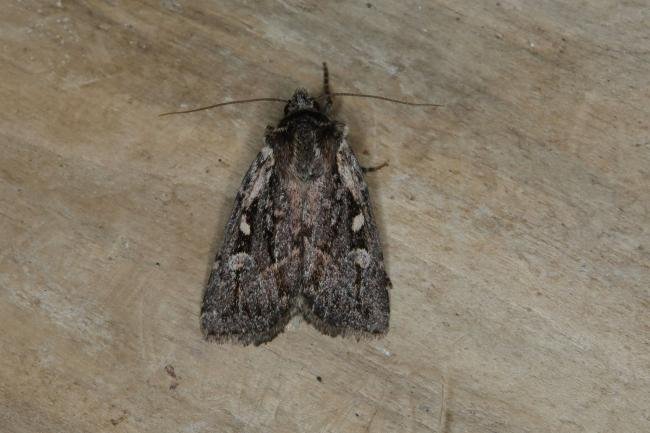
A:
(515, 220)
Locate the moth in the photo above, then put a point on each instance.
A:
(301, 238)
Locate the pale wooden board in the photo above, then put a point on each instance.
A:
(515, 219)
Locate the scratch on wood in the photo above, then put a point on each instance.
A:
(442, 420)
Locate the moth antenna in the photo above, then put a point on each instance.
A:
(221, 104)
(327, 93)
(384, 98)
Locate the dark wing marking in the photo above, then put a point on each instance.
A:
(246, 299)
(345, 286)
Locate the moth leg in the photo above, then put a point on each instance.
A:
(374, 168)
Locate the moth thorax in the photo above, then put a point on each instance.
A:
(307, 158)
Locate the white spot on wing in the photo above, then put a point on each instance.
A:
(357, 222)
(244, 226)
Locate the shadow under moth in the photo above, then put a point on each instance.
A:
(301, 238)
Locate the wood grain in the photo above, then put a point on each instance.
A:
(515, 219)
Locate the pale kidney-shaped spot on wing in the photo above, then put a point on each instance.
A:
(239, 261)
(360, 257)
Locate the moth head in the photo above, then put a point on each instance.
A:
(301, 101)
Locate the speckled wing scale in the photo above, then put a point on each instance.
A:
(301, 238)
(246, 299)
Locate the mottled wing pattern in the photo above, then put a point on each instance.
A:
(246, 299)
(345, 286)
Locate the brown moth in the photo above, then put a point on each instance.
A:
(301, 238)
